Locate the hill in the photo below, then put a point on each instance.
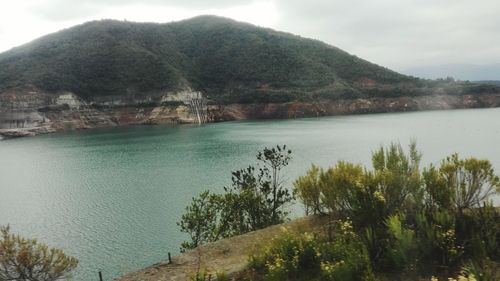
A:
(205, 69)
(227, 60)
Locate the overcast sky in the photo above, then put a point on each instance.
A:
(399, 34)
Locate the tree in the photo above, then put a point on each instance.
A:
(27, 260)
(255, 200)
(273, 160)
(200, 220)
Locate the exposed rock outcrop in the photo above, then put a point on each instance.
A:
(29, 111)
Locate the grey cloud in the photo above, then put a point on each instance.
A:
(395, 33)
(400, 33)
(57, 10)
(61, 10)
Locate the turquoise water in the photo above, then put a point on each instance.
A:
(112, 197)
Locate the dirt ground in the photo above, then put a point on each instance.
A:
(229, 255)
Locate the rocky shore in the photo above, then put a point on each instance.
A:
(31, 112)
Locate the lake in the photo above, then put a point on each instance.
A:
(112, 197)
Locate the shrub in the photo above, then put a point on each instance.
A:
(479, 229)
(398, 176)
(200, 220)
(28, 260)
(412, 221)
(339, 186)
(307, 189)
(307, 257)
(404, 246)
(255, 200)
(461, 183)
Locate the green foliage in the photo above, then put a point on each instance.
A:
(404, 246)
(200, 221)
(393, 217)
(339, 185)
(479, 228)
(306, 257)
(439, 195)
(307, 189)
(484, 270)
(256, 199)
(410, 220)
(438, 244)
(398, 176)
(28, 260)
(229, 61)
(469, 182)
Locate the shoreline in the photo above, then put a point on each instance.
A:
(34, 121)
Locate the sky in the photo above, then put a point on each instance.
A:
(404, 35)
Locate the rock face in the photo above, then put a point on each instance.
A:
(30, 111)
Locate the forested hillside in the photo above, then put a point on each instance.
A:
(227, 60)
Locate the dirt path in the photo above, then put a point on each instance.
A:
(228, 255)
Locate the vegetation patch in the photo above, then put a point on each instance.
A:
(395, 219)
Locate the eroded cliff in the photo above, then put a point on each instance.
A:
(30, 111)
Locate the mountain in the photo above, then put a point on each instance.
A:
(205, 69)
(489, 82)
(462, 72)
(228, 61)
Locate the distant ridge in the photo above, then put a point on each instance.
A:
(464, 72)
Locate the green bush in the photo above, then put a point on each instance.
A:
(438, 244)
(307, 189)
(412, 221)
(256, 199)
(403, 251)
(339, 186)
(461, 183)
(308, 257)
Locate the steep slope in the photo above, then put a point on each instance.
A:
(228, 60)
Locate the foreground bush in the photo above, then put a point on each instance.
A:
(307, 257)
(27, 260)
(412, 221)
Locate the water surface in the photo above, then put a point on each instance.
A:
(111, 197)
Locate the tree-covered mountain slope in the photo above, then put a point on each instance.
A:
(221, 57)
(228, 61)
